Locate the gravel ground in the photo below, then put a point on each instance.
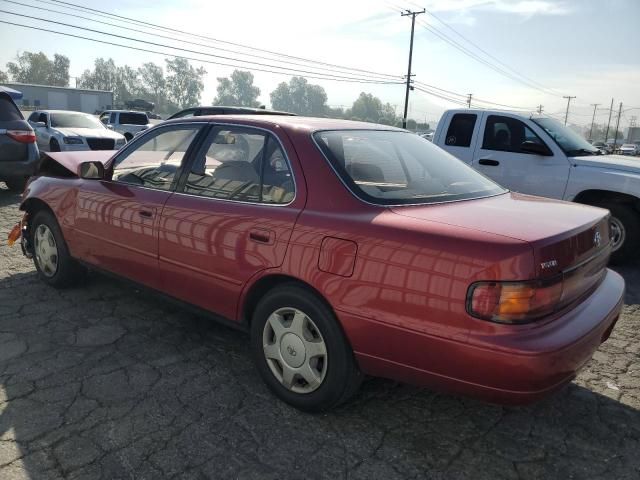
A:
(105, 382)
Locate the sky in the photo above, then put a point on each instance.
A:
(548, 49)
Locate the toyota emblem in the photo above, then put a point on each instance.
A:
(597, 239)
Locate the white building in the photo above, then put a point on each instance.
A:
(62, 98)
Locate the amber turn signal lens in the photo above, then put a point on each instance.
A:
(513, 302)
(14, 234)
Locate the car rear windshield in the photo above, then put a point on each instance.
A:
(8, 110)
(133, 118)
(396, 167)
(74, 120)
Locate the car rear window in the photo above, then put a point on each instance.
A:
(396, 167)
(8, 110)
(133, 118)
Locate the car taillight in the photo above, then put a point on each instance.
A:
(514, 302)
(22, 136)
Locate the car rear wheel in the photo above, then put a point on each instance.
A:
(54, 146)
(300, 350)
(51, 257)
(625, 232)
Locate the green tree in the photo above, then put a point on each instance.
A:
(153, 83)
(31, 67)
(237, 90)
(103, 77)
(301, 97)
(371, 109)
(3, 77)
(184, 82)
(128, 84)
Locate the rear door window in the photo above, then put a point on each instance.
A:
(8, 110)
(129, 118)
(460, 130)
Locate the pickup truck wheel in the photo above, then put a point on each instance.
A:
(300, 350)
(625, 232)
(51, 257)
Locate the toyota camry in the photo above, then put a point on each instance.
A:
(342, 248)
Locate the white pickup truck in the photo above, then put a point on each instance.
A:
(128, 123)
(540, 156)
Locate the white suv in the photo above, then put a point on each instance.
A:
(127, 122)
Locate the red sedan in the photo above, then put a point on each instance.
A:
(344, 248)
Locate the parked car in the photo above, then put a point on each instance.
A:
(629, 149)
(153, 116)
(397, 260)
(221, 110)
(602, 147)
(63, 131)
(540, 156)
(128, 123)
(19, 155)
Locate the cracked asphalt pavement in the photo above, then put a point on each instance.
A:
(107, 382)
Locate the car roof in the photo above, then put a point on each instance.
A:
(238, 110)
(124, 111)
(60, 111)
(310, 124)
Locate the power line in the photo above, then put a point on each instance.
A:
(105, 42)
(190, 34)
(382, 76)
(155, 44)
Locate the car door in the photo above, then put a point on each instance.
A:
(231, 218)
(458, 140)
(500, 156)
(116, 219)
(42, 132)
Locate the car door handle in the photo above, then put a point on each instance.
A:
(146, 213)
(489, 162)
(260, 236)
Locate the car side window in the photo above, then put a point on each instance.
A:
(43, 118)
(154, 161)
(114, 118)
(104, 118)
(33, 117)
(460, 130)
(507, 134)
(242, 164)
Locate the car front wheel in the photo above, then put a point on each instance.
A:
(51, 257)
(300, 350)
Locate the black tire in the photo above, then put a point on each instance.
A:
(630, 221)
(68, 272)
(54, 146)
(342, 378)
(16, 184)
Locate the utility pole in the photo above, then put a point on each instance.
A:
(540, 108)
(566, 115)
(469, 97)
(406, 96)
(606, 135)
(593, 119)
(615, 138)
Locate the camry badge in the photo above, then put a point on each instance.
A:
(549, 264)
(597, 239)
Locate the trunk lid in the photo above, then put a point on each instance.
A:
(563, 235)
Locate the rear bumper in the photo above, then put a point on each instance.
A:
(518, 366)
(20, 169)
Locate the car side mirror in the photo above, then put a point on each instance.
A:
(91, 170)
(536, 149)
(110, 127)
(40, 124)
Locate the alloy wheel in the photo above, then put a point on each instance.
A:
(618, 233)
(46, 250)
(295, 350)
